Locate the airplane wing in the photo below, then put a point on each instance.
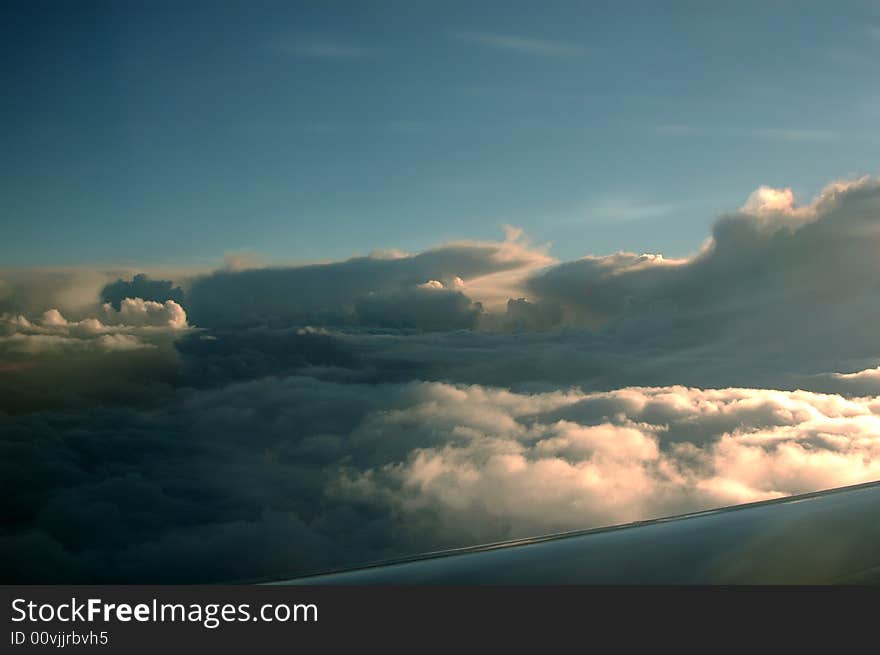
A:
(827, 537)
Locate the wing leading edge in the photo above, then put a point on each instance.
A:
(828, 537)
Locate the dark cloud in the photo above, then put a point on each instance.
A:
(124, 494)
(330, 293)
(525, 316)
(223, 356)
(425, 309)
(141, 286)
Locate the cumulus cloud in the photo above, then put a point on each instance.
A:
(135, 319)
(54, 361)
(324, 415)
(148, 313)
(773, 277)
(515, 465)
(141, 286)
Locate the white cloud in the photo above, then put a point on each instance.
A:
(861, 383)
(767, 200)
(139, 312)
(497, 464)
(872, 374)
(138, 324)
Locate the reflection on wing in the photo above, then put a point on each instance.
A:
(818, 538)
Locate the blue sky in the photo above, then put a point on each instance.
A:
(148, 134)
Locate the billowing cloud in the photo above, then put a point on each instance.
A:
(140, 312)
(308, 474)
(131, 326)
(141, 286)
(774, 278)
(324, 415)
(512, 465)
(53, 361)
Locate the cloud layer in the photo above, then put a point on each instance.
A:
(324, 415)
(330, 293)
(511, 465)
(306, 474)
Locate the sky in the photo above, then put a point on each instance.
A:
(328, 284)
(157, 133)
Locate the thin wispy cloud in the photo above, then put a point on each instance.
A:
(522, 44)
(848, 56)
(616, 208)
(678, 130)
(613, 208)
(323, 49)
(769, 133)
(794, 134)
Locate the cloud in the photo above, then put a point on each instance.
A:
(323, 49)
(511, 466)
(429, 307)
(522, 44)
(330, 293)
(72, 291)
(141, 286)
(767, 200)
(134, 316)
(309, 474)
(324, 415)
(783, 134)
(119, 356)
(794, 135)
(781, 294)
(140, 312)
(225, 356)
(627, 209)
(774, 277)
(525, 316)
(166, 480)
(870, 375)
(860, 383)
(242, 259)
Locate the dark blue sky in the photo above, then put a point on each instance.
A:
(154, 134)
